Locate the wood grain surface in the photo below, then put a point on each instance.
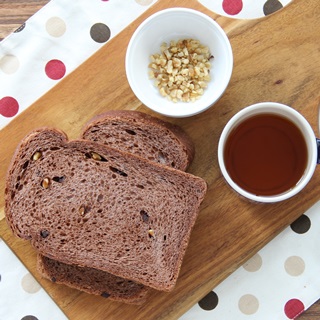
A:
(14, 13)
(274, 59)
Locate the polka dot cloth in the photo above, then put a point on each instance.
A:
(21, 295)
(55, 30)
(245, 9)
(55, 41)
(279, 282)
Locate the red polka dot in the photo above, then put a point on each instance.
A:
(55, 69)
(232, 7)
(293, 308)
(9, 107)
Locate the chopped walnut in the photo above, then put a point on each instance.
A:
(181, 71)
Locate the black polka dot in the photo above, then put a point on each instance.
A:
(100, 32)
(301, 225)
(29, 318)
(20, 28)
(209, 302)
(272, 6)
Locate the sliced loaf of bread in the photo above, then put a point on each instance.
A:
(83, 203)
(122, 130)
(142, 135)
(92, 281)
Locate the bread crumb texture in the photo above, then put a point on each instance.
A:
(86, 204)
(92, 281)
(143, 135)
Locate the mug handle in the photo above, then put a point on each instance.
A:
(318, 146)
(318, 140)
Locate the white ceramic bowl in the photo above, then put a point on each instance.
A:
(174, 24)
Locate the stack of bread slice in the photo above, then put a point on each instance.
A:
(112, 212)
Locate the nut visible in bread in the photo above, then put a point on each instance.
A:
(111, 235)
(121, 129)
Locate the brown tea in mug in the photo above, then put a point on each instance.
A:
(266, 154)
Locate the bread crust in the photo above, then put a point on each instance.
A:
(92, 281)
(158, 264)
(100, 282)
(169, 139)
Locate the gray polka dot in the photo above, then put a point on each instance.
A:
(9, 64)
(29, 284)
(294, 266)
(56, 27)
(248, 304)
(144, 2)
(254, 264)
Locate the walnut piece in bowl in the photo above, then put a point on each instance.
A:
(179, 62)
(181, 71)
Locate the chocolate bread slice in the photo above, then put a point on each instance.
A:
(132, 130)
(84, 203)
(145, 136)
(92, 281)
(142, 135)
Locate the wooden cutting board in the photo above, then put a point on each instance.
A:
(275, 59)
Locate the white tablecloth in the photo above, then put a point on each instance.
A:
(279, 282)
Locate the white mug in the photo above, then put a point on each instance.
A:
(244, 178)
